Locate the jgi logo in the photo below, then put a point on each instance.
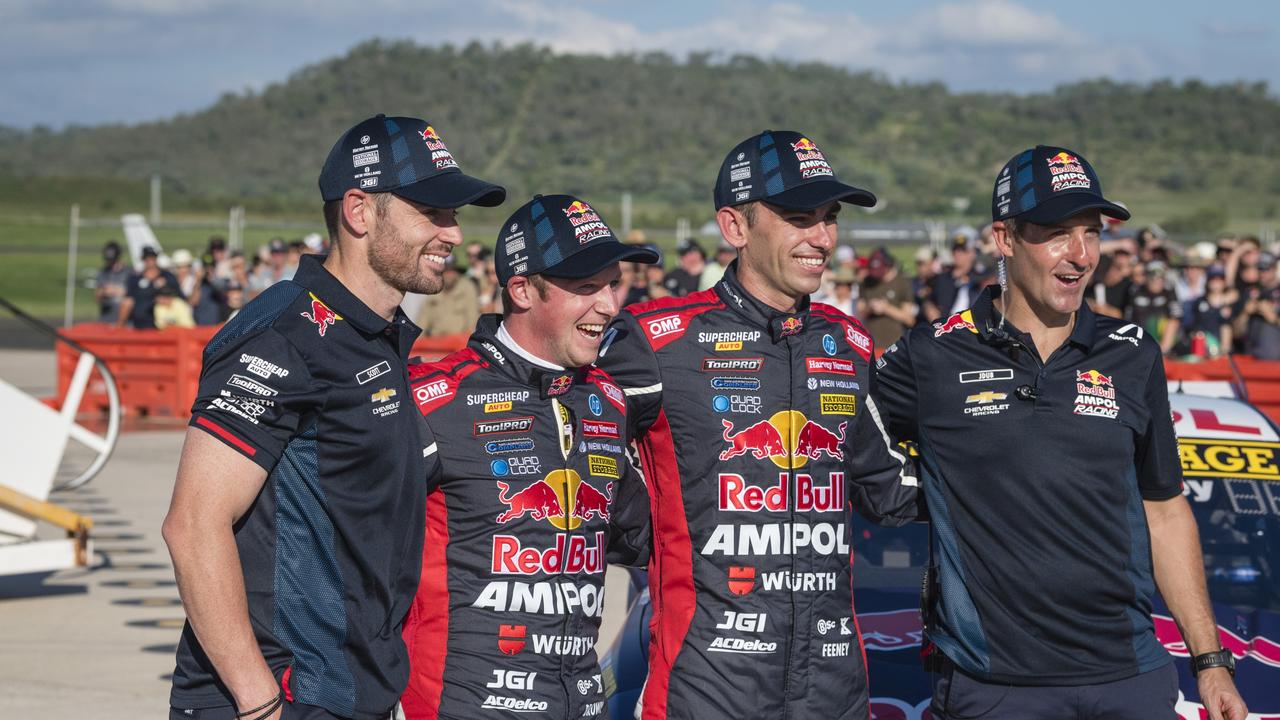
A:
(512, 680)
(744, 622)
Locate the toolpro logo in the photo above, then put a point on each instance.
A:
(787, 438)
(561, 498)
(320, 314)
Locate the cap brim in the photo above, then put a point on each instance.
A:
(592, 260)
(453, 190)
(1061, 207)
(812, 195)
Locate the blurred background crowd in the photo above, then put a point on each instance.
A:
(1198, 301)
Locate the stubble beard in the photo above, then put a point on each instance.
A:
(397, 264)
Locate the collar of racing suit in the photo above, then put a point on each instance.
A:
(781, 325)
(986, 316)
(504, 358)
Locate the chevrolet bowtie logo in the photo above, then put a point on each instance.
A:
(984, 397)
(383, 395)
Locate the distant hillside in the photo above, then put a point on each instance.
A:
(541, 122)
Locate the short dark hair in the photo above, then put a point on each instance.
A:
(748, 211)
(333, 212)
(1011, 226)
(538, 282)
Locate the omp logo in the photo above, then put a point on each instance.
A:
(432, 391)
(659, 327)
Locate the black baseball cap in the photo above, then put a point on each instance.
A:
(1048, 184)
(404, 156)
(784, 168)
(560, 236)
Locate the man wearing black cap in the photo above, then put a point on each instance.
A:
(1052, 477)
(535, 493)
(137, 310)
(757, 436)
(296, 521)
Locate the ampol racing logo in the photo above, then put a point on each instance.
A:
(1066, 172)
(320, 314)
(787, 438)
(561, 498)
(812, 161)
(440, 154)
(1095, 395)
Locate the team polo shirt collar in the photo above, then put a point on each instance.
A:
(510, 362)
(781, 325)
(986, 317)
(326, 288)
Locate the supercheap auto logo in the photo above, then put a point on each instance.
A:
(561, 498)
(787, 438)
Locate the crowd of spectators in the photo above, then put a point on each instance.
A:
(183, 291)
(1204, 300)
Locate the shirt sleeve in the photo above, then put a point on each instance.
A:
(630, 527)
(627, 356)
(893, 386)
(254, 395)
(1158, 463)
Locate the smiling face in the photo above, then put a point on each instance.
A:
(408, 243)
(783, 253)
(566, 317)
(1049, 264)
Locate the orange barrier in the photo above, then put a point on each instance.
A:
(1261, 378)
(158, 371)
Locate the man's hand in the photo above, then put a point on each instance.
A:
(1219, 695)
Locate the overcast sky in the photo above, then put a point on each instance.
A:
(88, 62)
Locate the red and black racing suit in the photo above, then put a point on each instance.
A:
(756, 437)
(532, 495)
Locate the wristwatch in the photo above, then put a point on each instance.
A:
(1218, 658)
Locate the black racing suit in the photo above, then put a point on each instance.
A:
(756, 436)
(532, 495)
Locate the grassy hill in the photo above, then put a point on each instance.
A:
(541, 122)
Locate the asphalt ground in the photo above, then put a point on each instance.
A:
(99, 642)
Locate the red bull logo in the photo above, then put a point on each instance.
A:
(1263, 649)
(511, 639)
(889, 631)
(559, 386)
(430, 134)
(804, 144)
(790, 326)
(787, 438)
(1093, 377)
(320, 314)
(1063, 158)
(561, 498)
(742, 579)
(959, 321)
(577, 207)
